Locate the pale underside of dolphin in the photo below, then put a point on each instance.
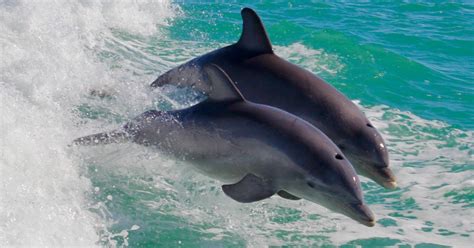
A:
(265, 78)
(257, 150)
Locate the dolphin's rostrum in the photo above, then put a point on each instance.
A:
(265, 78)
(256, 150)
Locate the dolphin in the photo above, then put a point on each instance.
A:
(265, 78)
(255, 150)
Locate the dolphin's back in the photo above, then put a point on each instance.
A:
(270, 80)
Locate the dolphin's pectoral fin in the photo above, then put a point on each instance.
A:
(250, 189)
(254, 38)
(287, 195)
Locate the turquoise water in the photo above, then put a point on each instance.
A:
(409, 66)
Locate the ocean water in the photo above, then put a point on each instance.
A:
(409, 66)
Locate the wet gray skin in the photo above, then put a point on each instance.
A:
(265, 78)
(255, 150)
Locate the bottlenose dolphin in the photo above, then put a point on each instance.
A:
(265, 78)
(256, 150)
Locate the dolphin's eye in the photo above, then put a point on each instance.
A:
(338, 156)
(310, 184)
(370, 125)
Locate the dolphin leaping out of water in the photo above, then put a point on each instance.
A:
(256, 150)
(265, 78)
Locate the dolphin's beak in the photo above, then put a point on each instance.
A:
(390, 185)
(357, 211)
(388, 178)
(380, 173)
(363, 214)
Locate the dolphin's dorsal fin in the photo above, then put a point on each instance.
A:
(254, 38)
(222, 88)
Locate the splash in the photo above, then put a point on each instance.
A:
(48, 65)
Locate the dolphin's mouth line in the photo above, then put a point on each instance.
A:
(388, 182)
(350, 209)
(377, 173)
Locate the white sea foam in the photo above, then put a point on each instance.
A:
(42, 192)
(316, 60)
(48, 64)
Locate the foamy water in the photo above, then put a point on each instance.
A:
(48, 64)
(52, 194)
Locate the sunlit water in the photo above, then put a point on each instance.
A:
(409, 67)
